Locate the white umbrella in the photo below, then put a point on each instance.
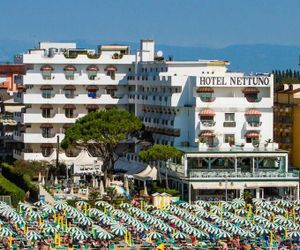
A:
(43, 181)
(145, 189)
(126, 186)
(55, 180)
(40, 177)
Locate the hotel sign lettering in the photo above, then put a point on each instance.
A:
(235, 81)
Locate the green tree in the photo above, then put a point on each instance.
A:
(102, 133)
(164, 153)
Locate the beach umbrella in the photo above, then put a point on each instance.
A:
(81, 203)
(40, 177)
(294, 235)
(85, 221)
(179, 236)
(60, 205)
(48, 209)
(104, 204)
(150, 207)
(34, 215)
(216, 210)
(165, 228)
(51, 230)
(248, 234)
(118, 229)
(186, 205)
(39, 203)
(160, 214)
(55, 181)
(202, 203)
(5, 232)
(124, 206)
(257, 202)
(33, 236)
(17, 219)
(223, 234)
(297, 202)
(242, 212)
(267, 205)
(226, 205)
(25, 206)
(199, 234)
(95, 212)
(80, 236)
(265, 213)
(43, 181)
(154, 236)
(104, 235)
(238, 203)
(279, 228)
(264, 231)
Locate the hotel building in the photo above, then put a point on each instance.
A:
(221, 120)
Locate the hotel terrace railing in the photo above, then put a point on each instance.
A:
(219, 174)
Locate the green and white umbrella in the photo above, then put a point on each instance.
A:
(179, 236)
(34, 215)
(160, 214)
(248, 234)
(257, 202)
(154, 236)
(216, 210)
(104, 204)
(80, 236)
(227, 205)
(279, 228)
(118, 229)
(104, 235)
(33, 236)
(223, 235)
(125, 206)
(202, 203)
(186, 205)
(48, 209)
(5, 232)
(60, 205)
(39, 203)
(255, 228)
(81, 203)
(199, 234)
(294, 235)
(95, 212)
(51, 230)
(85, 221)
(238, 203)
(242, 212)
(267, 205)
(265, 213)
(165, 228)
(264, 231)
(150, 207)
(25, 206)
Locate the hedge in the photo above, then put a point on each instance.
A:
(9, 188)
(21, 180)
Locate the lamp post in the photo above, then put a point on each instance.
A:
(226, 188)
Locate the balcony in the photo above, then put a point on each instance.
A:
(57, 118)
(42, 138)
(236, 102)
(229, 124)
(253, 125)
(207, 125)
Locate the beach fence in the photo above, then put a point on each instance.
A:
(6, 198)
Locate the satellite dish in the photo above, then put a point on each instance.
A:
(159, 53)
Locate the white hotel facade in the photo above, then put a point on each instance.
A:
(222, 120)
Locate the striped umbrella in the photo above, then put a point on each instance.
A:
(238, 203)
(242, 212)
(160, 214)
(154, 236)
(118, 229)
(95, 212)
(39, 203)
(60, 205)
(5, 232)
(125, 206)
(179, 236)
(33, 236)
(85, 221)
(248, 234)
(48, 209)
(81, 203)
(150, 207)
(104, 235)
(264, 231)
(279, 228)
(294, 235)
(34, 215)
(51, 230)
(25, 206)
(223, 235)
(202, 203)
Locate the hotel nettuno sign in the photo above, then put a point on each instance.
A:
(235, 81)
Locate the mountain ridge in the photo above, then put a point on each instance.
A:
(243, 57)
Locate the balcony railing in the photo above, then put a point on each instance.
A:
(208, 123)
(229, 124)
(254, 124)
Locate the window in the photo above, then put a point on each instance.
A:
(69, 113)
(111, 73)
(46, 152)
(92, 75)
(229, 138)
(69, 75)
(46, 75)
(229, 117)
(46, 93)
(46, 132)
(69, 93)
(46, 113)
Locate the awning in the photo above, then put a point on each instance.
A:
(47, 68)
(111, 68)
(69, 87)
(69, 68)
(253, 112)
(46, 106)
(250, 90)
(92, 106)
(67, 125)
(69, 106)
(46, 125)
(92, 68)
(13, 108)
(204, 90)
(46, 87)
(252, 134)
(206, 134)
(3, 87)
(46, 145)
(111, 87)
(207, 112)
(92, 88)
(147, 174)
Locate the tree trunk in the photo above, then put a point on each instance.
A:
(166, 174)
(159, 174)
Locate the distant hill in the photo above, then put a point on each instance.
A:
(247, 58)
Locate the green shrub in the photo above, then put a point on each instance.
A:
(9, 188)
(173, 192)
(23, 181)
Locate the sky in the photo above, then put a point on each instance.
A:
(209, 23)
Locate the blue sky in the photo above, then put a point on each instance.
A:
(210, 23)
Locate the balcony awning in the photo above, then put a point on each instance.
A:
(46, 87)
(204, 90)
(92, 68)
(46, 125)
(110, 106)
(207, 112)
(92, 106)
(69, 106)
(69, 87)
(253, 112)
(46, 145)
(46, 106)
(147, 174)
(92, 88)
(250, 90)
(111, 68)
(47, 68)
(252, 134)
(206, 134)
(67, 125)
(70, 68)
(111, 87)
